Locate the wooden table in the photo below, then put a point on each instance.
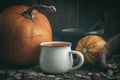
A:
(86, 72)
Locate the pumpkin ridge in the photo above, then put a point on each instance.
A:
(92, 46)
(85, 41)
(88, 59)
(96, 48)
(23, 8)
(93, 56)
(8, 31)
(13, 36)
(90, 38)
(91, 59)
(79, 45)
(93, 40)
(44, 26)
(82, 41)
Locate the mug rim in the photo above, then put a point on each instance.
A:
(42, 44)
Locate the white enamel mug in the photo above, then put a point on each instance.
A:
(57, 57)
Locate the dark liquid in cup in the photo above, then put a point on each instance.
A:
(56, 44)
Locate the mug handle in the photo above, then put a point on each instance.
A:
(81, 59)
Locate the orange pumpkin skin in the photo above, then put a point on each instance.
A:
(21, 36)
(90, 47)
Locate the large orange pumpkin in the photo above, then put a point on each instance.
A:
(22, 29)
(90, 47)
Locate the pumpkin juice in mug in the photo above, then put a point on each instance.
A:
(57, 57)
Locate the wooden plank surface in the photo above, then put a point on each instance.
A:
(35, 73)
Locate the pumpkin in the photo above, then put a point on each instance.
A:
(90, 46)
(22, 29)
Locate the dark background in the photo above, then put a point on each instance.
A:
(77, 13)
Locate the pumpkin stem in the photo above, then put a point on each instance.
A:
(41, 8)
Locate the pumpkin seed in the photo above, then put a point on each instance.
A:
(64, 74)
(18, 75)
(50, 76)
(40, 74)
(102, 74)
(86, 77)
(90, 73)
(110, 77)
(97, 74)
(21, 70)
(19, 78)
(113, 66)
(110, 72)
(58, 78)
(34, 74)
(78, 75)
